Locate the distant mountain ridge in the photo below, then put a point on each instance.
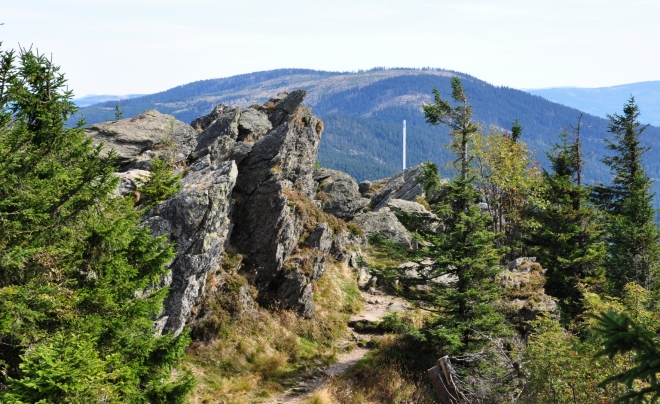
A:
(92, 99)
(606, 100)
(363, 114)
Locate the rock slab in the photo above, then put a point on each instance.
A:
(197, 221)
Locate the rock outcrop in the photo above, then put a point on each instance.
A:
(238, 124)
(139, 139)
(384, 223)
(268, 227)
(197, 221)
(339, 193)
(523, 282)
(403, 185)
(414, 216)
(248, 181)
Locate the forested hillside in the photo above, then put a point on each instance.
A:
(363, 114)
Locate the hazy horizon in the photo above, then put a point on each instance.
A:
(127, 47)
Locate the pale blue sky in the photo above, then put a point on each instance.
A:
(145, 46)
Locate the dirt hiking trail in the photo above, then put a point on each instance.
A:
(376, 306)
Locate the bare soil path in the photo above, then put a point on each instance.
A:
(376, 307)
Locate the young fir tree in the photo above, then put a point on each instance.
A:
(76, 268)
(569, 240)
(159, 185)
(466, 249)
(633, 251)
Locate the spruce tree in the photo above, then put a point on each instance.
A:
(77, 270)
(465, 250)
(569, 240)
(633, 252)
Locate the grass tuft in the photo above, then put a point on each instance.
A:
(255, 355)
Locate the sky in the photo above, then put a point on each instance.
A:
(144, 46)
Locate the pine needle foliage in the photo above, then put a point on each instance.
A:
(570, 236)
(634, 251)
(77, 270)
(624, 336)
(457, 118)
(159, 185)
(465, 250)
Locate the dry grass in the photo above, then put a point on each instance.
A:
(312, 214)
(322, 396)
(255, 355)
(383, 257)
(379, 379)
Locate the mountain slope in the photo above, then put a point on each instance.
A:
(92, 99)
(363, 114)
(605, 100)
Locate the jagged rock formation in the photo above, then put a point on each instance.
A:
(392, 210)
(249, 182)
(403, 185)
(268, 227)
(196, 219)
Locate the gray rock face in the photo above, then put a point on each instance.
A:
(385, 223)
(403, 185)
(249, 180)
(305, 265)
(320, 241)
(365, 189)
(340, 243)
(129, 181)
(338, 193)
(296, 293)
(268, 226)
(420, 218)
(283, 105)
(197, 220)
(139, 139)
(239, 124)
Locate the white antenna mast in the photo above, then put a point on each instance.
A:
(404, 144)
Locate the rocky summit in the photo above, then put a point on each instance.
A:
(249, 184)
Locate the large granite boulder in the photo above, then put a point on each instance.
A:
(384, 223)
(197, 221)
(248, 181)
(414, 216)
(139, 139)
(403, 185)
(338, 193)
